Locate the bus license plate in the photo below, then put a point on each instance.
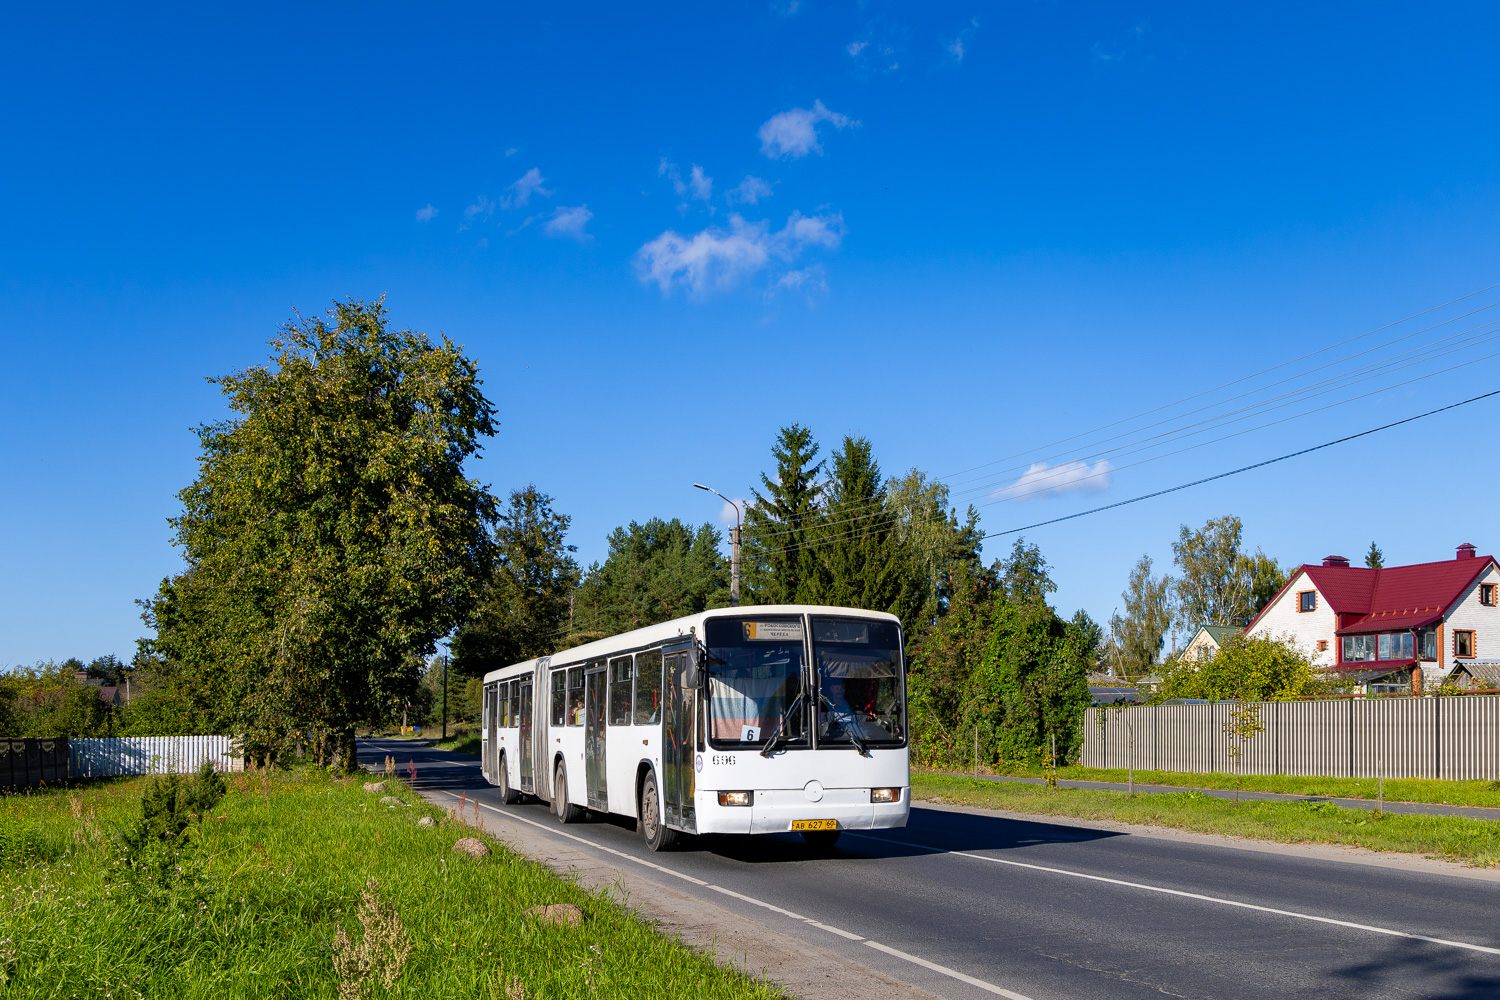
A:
(815, 824)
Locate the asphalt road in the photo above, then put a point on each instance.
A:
(967, 905)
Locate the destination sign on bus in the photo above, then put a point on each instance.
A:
(789, 630)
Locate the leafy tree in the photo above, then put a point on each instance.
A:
(1248, 668)
(1023, 577)
(1220, 584)
(1266, 580)
(524, 610)
(331, 535)
(108, 669)
(936, 549)
(1375, 559)
(779, 563)
(654, 572)
(1140, 633)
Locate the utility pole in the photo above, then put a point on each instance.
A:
(445, 697)
(734, 546)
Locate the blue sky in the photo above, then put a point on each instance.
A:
(963, 230)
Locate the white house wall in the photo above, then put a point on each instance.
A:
(1304, 627)
(1469, 614)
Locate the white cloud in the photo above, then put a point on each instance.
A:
(748, 191)
(483, 207)
(484, 241)
(855, 48)
(569, 221)
(1068, 477)
(702, 187)
(806, 280)
(528, 184)
(794, 134)
(716, 259)
(426, 214)
(512, 151)
(727, 511)
(698, 186)
(956, 48)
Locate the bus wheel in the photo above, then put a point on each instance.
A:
(508, 795)
(565, 811)
(653, 830)
(821, 840)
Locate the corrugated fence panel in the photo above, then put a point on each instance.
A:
(1457, 738)
(114, 756)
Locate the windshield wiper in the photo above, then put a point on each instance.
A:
(775, 736)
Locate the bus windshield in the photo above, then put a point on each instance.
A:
(754, 679)
(859, 681)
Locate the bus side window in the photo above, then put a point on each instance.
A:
(559, 696)
(619, 691)
(515, 703)
(575, 696)
(648, 688)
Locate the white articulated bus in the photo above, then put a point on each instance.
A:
(739, 720)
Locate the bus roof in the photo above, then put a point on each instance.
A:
(653, 634)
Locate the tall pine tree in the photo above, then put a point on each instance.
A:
(780, 564)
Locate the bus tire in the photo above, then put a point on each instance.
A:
(653, 827)
(565, 811)
(821, 840)
(508, 795)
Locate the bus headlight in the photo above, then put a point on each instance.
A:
(885, 795)
(736, 798)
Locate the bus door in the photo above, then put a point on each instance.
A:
(492, 736)
(528, 779)
(595, 705)
(677, 745)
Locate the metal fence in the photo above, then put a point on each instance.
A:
(30, 761)
(1457, 738)
(112, 756)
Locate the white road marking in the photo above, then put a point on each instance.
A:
(1194, 895)
(946, 971)
(884, 949)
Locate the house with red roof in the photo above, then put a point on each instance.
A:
(1394, 629)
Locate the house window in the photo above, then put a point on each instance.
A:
(1463, 642)
(1322, 645)
(1427, 644)
(1307, 600)
(1395, 646)
(1487, 594)
(1358, 648)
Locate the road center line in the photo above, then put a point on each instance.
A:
(1194, 895)
(884, 949)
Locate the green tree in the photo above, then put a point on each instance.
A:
(524, 610)
(1375, 559)
(1221, 584)
(331, 535)
(1141, 631)
(1032, 684)
(937, 550)
(1024, 577)
(779, 562)
(857, 547)
(1266, 578)
(1246, 668)
(654, 572)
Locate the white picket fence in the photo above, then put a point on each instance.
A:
(1455, 738)
(112, 756)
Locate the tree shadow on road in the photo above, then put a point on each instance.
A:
(1433, 971)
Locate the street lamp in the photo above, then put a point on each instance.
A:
(734, 546)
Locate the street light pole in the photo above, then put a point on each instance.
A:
(445, 697)
(734, 547)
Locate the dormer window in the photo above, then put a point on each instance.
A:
(1307, 600)
(1487, 594)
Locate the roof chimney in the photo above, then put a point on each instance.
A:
(1466, 551)
(1335, 561)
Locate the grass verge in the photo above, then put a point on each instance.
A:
(1453, 793)
(1474, 842)
(462, 741)
(256, 907)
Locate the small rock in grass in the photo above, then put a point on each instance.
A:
(565, 914)
(391, 800)
(427, 821)
(473, 847)
(374, 786)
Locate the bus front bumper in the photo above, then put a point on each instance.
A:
(774, 811)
